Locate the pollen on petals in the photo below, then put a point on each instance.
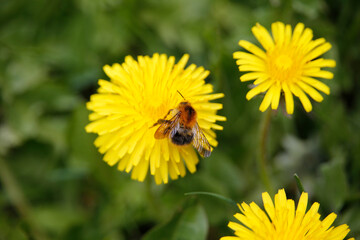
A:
(288, 65)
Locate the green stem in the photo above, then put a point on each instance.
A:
(262, 162)
(153, 200)
(228, 200)
(17, 198)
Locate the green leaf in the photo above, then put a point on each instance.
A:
(11, 232)
(351, 217)
(57, 220)
(333, 187)
(308, 8)
(218, 196)
(299, 184)
(82, 149)
(191, 223)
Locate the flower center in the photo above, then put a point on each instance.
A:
(284, 65)
(283, 62)
(155, 108)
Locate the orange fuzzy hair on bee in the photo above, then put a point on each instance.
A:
(188, 114)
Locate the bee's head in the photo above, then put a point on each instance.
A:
(184, 103)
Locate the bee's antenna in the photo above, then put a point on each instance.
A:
(181, 94)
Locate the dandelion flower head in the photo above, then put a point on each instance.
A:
(282, 221)
(289, 64)
(138, 94)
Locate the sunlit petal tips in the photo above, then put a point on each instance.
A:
(287, 66)
(138, 94)
(281, 220)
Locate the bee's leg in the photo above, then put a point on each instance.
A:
(163, 120)
(160, 121)
(167, 113)
(155, 124)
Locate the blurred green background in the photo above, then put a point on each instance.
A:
(53, 182)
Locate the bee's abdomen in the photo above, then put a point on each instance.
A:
(182, 137)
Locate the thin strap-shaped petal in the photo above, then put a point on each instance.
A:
(313, 44)
(268, 205)
(258, 89)
(319, 63)
(261, 79)
(263, 36)
(326, 223)
(247, 56)
(276, 97)
(320, 74)
(253, 63)
(252, 76)
(298, 30)
(305, 37)
(250, 68)
(278, 30)
(229, 238)
(287, 34)
(252, 48)
(318, 51)
(339, 232)
(264, 87)
(302, 96)
(267, 99)
(316, 84)
(289, 100)
(311, 91)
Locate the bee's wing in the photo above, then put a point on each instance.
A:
(166, 126)
(200, 142)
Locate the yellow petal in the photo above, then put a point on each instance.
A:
(258, 89)
(320, 74)
(318, 51)
(326, 223)
(298, 30)
(261, 79)
(311, 91)
(250, 68)
(248, 57)
(306, 37)
(267, 99)
(278, 30)
(252, 48)
(268, 205)
(303, 98)
(240, 62)
(319, 63)
(229, 238)
(276, 97)
(164, 171)
(313, 44)
(287, 34)
(316, 84)
(289, 100)
(339, 232)
(251, 76)
(263, 36)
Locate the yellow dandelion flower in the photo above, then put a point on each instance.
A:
(140, 93)
(289, 64)
(282, 221)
